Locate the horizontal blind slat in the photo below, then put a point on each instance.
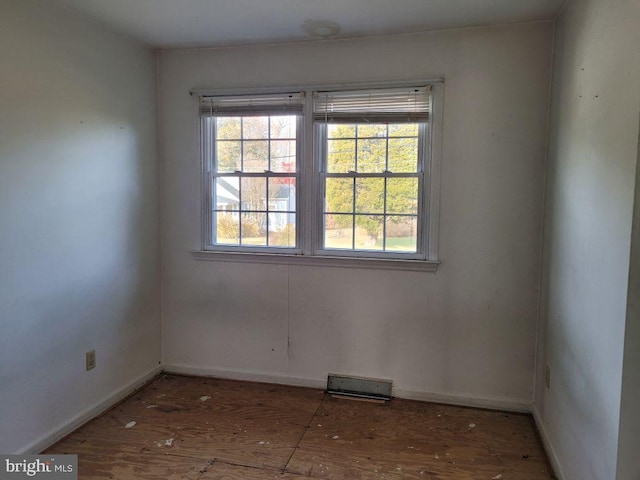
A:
(280, 104)
(406, 104)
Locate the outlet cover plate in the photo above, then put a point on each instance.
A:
(91, 360)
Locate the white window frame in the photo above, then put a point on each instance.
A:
(208, 129)
(310, 204)
(320, 179)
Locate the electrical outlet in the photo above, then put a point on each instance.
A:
(547, 376)
(91, 360)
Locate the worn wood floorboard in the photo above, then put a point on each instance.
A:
(191, 428)
(409, 439)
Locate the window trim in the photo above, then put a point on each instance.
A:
(307, 217)
(317, 261)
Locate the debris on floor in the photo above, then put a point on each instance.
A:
(204, 398)
(130, 425)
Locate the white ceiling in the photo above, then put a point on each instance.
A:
(187, 23)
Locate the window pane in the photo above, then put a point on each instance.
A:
(281, 216)
(227, 231)
(254, 228)
(339, 195)
(283, 126)
(254, 193)
(283, 155)
(369, 232)
(255, 127)
(282, 229)
(402, 234)
(403, 154)
(403, 130)
(370, 195)
(228, 128)
(282, 194)
(228, 156)
(372, 130)
(402, 195)
(337, 130)
(338, 231)
(227, 193)
(341, 156)
(372, 155)
(256, 155)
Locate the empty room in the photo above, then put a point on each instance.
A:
(349, 239)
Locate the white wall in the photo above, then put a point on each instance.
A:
(628, 460)
(78, 219)
(467, 331)
(591, 181)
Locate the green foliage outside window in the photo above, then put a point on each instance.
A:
(372, 148)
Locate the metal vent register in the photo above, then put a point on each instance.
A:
(359, 387)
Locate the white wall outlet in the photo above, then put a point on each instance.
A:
(91, 360)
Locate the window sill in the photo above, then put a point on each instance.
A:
(319, 261)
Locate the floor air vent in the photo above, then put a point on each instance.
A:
(359, 387)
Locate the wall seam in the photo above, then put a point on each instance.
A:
(544, 208)
(160, 204)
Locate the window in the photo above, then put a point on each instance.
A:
(251, 145)
(373, 146)
(321, 174)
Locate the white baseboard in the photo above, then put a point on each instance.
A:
(246, 375)
(491, 403)
(253, 376)
(69, 426)
(551, 453)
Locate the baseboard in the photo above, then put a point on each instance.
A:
(491, 403)
(66, 428)
(551, 453)
(253, 376)
(246, 375)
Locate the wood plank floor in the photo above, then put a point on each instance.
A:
(192, 428)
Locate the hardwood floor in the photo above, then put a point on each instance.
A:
(192, 428)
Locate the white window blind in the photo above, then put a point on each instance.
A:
(243, 105)
(410, 104)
